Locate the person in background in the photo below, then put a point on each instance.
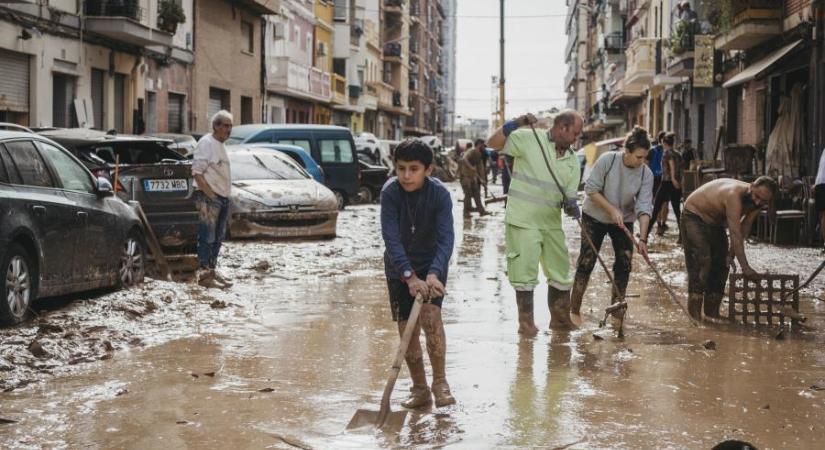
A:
(670, 190)
(494, 157)
(819, 195)
(654, 162)
(213, 183)
(619, 193)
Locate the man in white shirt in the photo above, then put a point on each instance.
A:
(819, 194)
(213, 182)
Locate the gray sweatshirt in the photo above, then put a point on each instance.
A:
(628, 189)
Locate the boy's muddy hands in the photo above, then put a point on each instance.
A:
(435, 285)
(417, 285)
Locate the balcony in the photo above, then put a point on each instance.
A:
(339, 89)
(641, 63)
(614, 43)
(124, 21)
(288, 77)
(394, 6)
(754, 22)
(354, 91)
(392, 53)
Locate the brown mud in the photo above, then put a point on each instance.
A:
(304, 338)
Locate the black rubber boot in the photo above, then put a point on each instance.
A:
(712, 304)
(526, 322)
(695, 305)
(558, 302)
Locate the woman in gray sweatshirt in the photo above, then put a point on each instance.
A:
(619, 192)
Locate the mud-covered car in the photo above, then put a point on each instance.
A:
(274, 197)
(61, 229)
(149, 172)
(372, 181)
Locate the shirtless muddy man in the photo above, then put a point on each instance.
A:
(719, 204)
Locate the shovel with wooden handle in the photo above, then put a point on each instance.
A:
(386, 419)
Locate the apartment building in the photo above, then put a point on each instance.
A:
(426, 71)
(229, 47)
(70, 63)
(448, 63)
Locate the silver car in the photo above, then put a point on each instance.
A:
(274, 197)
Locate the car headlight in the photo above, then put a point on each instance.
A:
(243, 201)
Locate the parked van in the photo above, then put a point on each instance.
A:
(332, 147)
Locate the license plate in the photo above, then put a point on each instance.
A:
(170, 185)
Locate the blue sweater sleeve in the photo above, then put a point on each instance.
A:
(391, 229)
(445, 234)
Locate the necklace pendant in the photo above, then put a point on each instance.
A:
(412, 228)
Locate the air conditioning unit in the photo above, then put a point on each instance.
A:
(279, 31)
(322, 49)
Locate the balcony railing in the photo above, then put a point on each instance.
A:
(339, 88)
(298, 79)
(614, 43)
(392, 49)
(641, 61)
(110, 8)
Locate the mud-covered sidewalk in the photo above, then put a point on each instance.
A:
(304, 338)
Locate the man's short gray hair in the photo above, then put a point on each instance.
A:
(221, 116)
(567, 118)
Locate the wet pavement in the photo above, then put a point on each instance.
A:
(285, 357)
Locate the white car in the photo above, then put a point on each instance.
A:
(274, 197)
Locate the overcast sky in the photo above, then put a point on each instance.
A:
(535, 69)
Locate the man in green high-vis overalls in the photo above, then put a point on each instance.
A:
(534, 233)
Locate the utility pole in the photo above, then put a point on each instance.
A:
(501, 100)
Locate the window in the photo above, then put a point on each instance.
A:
(72, 175)
(248, 34)
(63, 94)
(4, 178)
(246, 110)
(297, 142)
(29, 164)
(11, 171)
(174, 117)
(336, 151)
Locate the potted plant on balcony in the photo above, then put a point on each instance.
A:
(170, 14)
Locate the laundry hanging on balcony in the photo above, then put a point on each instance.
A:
(787, 137)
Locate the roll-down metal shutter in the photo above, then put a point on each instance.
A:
(175, 111)
(14, 81)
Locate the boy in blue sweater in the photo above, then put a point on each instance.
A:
(417, 226)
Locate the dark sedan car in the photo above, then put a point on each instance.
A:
(149, 172)
(61, 229)
(372, 180)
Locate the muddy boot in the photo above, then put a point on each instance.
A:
(695, 306)
(558, 302)
(441, 390)
(420, 395)
(526, 323)
(576, 296)
(712, 303)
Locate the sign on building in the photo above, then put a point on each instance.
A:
(703, 62)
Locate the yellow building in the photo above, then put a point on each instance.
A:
(322, 52)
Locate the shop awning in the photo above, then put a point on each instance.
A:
(756, 69)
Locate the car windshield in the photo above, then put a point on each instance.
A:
(238, 135)
(252, 166)
(137, 152)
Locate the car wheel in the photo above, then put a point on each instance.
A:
(19, 285)
(132, 266)
(341, 200)
(364, 195)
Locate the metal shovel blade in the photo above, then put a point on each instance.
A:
(393, 422)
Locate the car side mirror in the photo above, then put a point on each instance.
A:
(104, 187)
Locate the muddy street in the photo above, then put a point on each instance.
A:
(285, 357)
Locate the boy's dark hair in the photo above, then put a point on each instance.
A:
(414, 149)
(661, 136)
(480, 141)
(669, 139)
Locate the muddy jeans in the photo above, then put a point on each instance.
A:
(472, 192)
(622, 247)
(706, 255)
(213, 215)
(668, 193)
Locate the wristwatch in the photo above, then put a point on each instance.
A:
(406, 275)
